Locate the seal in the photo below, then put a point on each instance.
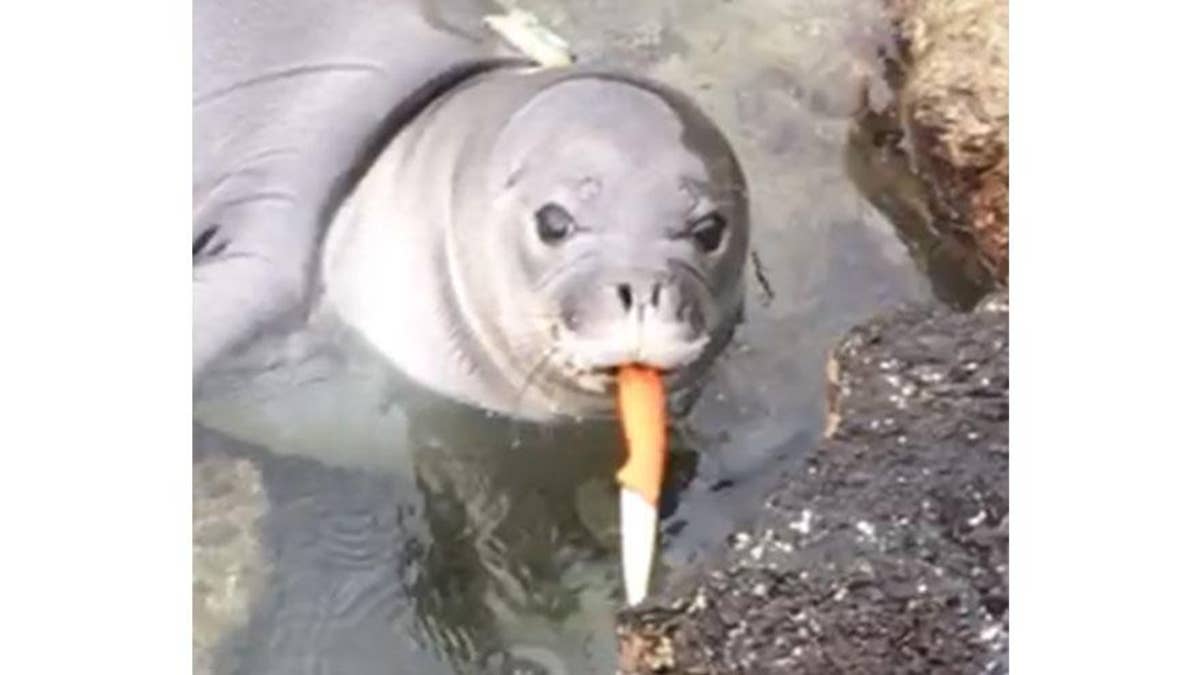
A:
(536, 228)
(506, 235)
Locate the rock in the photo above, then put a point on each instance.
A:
(955, 107)
(886, 550)
(949, 123)
(227, 559)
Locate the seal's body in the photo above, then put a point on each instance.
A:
(290, 98)
(505, 235)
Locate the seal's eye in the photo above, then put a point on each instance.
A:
(709, 231)
(553, 223)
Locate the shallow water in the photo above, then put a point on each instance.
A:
(406, 535)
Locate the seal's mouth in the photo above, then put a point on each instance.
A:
(647, 320)
(605, 377)
(604, 380)
(592, 364)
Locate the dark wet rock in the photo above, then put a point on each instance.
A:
(941, 164)
(886, 549)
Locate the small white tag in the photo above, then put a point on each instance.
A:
(523, 31)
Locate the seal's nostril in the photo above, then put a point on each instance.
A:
(654, 293)
(626, 295)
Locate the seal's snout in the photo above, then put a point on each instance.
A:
(636, 317)
(656, 299)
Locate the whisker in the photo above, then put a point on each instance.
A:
(527, 382)
(529, 379)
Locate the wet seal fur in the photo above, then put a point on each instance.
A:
(504, 234)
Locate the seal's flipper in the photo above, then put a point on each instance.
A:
(245, 279)
(231, 298)
(291, 100)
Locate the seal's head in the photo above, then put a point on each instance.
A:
(620, 213)
(532, 229)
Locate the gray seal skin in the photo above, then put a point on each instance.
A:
(521, 232)
(289, 98)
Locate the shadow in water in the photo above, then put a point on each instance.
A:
(496, 551)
